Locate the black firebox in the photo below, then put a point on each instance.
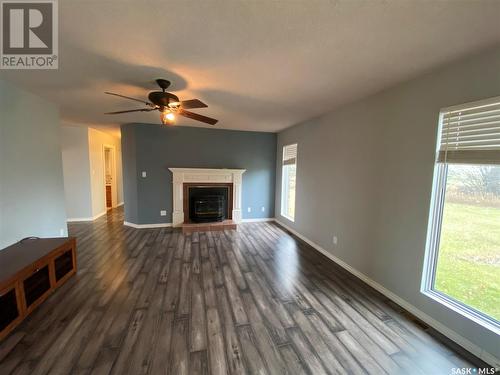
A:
(208, 203)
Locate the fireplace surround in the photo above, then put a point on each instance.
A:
(183, 178)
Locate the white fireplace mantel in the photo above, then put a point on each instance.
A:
(203, 175)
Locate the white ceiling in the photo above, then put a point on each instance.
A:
(259, 65)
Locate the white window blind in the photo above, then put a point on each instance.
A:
(470, 133)
(290, 154)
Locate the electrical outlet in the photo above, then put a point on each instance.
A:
(61, 232)
(143, 174)
(163, 213)
(335, 240)
(263, 209)
(249, 209)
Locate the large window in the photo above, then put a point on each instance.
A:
(463, 250)
(288, 181)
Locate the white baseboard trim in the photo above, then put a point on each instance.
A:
(257, 220)
(119, 204)
(144, 226)
(76, 219)
(452, 335)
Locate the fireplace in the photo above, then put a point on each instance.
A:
(208, 203)
(184, 178)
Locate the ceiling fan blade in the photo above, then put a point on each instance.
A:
(197, 117)
(193, 103)
(131, 110)
(128, 97)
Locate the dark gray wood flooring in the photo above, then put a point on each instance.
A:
(255, 301)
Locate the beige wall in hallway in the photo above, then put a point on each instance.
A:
(76, 171)
(83, 167)
(97, 141)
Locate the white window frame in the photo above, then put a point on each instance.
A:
(282, 213)
(433, 242)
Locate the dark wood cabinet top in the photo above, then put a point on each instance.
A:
(22, 254)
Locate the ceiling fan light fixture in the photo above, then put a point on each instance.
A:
(167, 117)
(169, 105)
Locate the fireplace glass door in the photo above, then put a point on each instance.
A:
(208, 204)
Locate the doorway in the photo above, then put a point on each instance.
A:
(109, 176)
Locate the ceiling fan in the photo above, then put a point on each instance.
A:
(168, 105)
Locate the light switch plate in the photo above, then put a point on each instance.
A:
(335, 240)
(143, 174)
(163, 213)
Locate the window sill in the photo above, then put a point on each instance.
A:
(463, 310)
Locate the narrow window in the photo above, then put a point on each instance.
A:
(462, 267)
(288, 181)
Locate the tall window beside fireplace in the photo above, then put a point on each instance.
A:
(288, 181)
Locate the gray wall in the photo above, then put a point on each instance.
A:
(32, 191)
(365, 174)
(155, 148)
(76, 172)
(130, 174)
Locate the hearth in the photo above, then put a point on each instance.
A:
(208, 203)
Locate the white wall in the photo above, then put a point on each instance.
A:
(31, 179)
(364, 173)
(96, 141)
(76, 171)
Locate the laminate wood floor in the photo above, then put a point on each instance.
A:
(255, 300)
